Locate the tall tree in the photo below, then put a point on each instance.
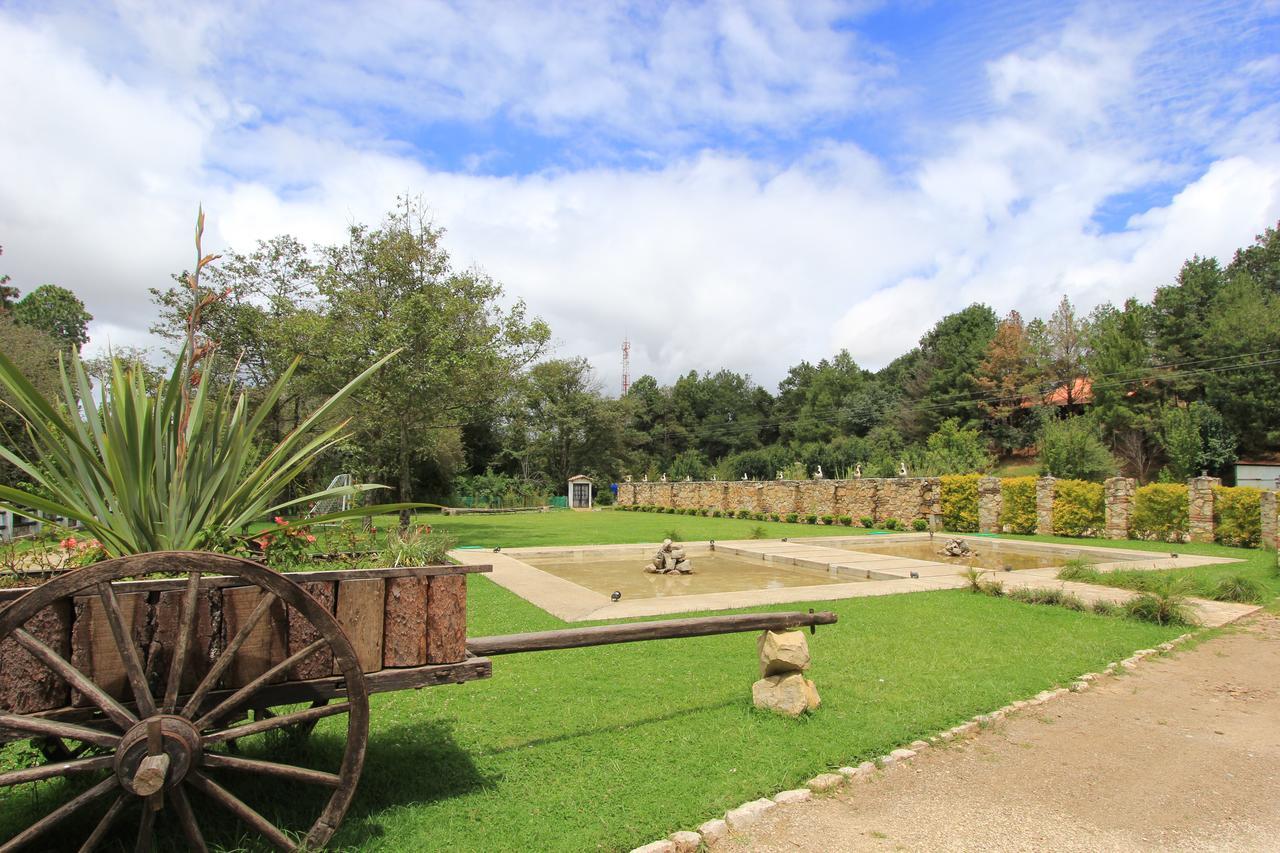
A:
(57, 312)
(1126, 397)
(1242, 329)
(394, 287)
(567, 424)
(944, 383)
(1006, 379)
(1060, 346)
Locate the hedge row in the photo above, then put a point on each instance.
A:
(1079, 508)
(918, 525)
(1237, 516)
(960, 503)
(1160, 513)
(1018, 515)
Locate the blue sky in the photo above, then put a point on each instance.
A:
(699, 177)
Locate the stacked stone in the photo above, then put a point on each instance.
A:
(1044, 505)
(1200, 507)
(1270, 523)
(1119, 493)
(990, 504)
(782, 688)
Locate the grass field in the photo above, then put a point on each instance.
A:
(611, 747)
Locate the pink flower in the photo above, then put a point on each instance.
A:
(311, 538)
(69, 542)
(280, 520)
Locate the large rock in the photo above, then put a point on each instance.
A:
(783, 652)
(811, 697)
(686, 841)
(784, 694)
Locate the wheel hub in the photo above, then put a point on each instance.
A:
(180, 742)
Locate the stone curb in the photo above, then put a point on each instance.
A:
(744, 816)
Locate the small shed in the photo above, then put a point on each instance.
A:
(580, 492)
(1262, 474)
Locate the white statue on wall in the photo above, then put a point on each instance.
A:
(779, 475)
(902, 469)
(817, 475)
(664, 477)
(688, 478)
(744, 476)
(627, 478)
(646, 478)
(857, 471)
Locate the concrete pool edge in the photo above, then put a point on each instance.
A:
(892, 576)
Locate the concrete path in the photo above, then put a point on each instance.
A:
(1183, 754)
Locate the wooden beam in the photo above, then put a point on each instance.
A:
(601, 635)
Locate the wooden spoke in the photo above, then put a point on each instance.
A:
(104, 826)
(237, 807)
(238, 698)
(270, 768)
(55, 817)
(186, 629)
(228, 655)
(128, 652)
(296, 718)
(146, 829)
(53, 728)
(95, 694)
(61, 768)
(187, 819)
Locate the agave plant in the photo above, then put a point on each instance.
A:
(169, 468)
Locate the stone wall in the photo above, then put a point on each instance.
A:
(1270, 523)
(910, 498)
(1118, 499)
(990, 504)
(1200, 507)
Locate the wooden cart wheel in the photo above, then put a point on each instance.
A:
(152, 752)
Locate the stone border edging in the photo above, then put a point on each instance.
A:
(740, 819)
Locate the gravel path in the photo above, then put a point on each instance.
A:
(1182, 754)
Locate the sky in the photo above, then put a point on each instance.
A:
(735, 185)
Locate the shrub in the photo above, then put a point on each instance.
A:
(792, 517)
(1019, 511)
(1165, 603)
(777, 516)
(1106, 608)
(1238, 588)
(757, 532)
(891, 524)
(810, 519)
(744, 513)
(867, 521)
(1078, 569)
(960, 502)
(761, 516)
(1078, 508)
(672, 534)
(1053, 597)
(979, 584)
(845, 520)
(828, 519)
(1160, 512)
(920, 525)
(715, 513)
(1072, 448)
(1237, 516)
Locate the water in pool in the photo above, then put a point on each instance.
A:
(990, 555)
(711, 573)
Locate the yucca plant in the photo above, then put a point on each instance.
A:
(171, 467)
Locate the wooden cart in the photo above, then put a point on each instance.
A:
(138, 690)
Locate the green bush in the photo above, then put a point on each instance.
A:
(810, 519)
(1072, 448)
(1055, 597)
(777, 516)
(1160, 512)
(891, 524)
(1018, 513)
(761, 516)
(744, 513)
(1238, 588)
(1164, 604)
(1078, 569)
(715, 513)
(960, 502)
(828, 519)
(845, 520)
(1237, 516)
(920, 525)
(1078, 508)
(792, 517)
(1106, 608)
(867, 521)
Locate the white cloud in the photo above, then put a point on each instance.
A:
(705, 260)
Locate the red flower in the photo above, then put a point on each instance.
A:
(69, 542)
(311, 538)
(280, 520)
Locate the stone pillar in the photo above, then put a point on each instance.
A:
(1118, 498)
(1200, 507)
(990, 504)
(933, 503)
(1044, 505)
(1270, 524)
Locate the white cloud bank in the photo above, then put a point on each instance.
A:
(713, 259)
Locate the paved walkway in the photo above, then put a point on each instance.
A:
(1183, 754)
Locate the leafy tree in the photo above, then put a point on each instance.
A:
(35, 354)
(1261, 261)
(944, 381)
(818, 403)
(8, 293)
(1073, 448)
(952, 449)
(1061, 348)
(1243, 321)
(393, 287)
(57, 312)
(1195, 438)
(1126, 398)
(1006, 378)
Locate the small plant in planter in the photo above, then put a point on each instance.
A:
(828, 519)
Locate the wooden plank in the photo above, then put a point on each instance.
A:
(360, 613)
(303, 634)
(446, 619)
(206, 642)
(161, 563)
(93, 648)
(266, 643)
(26, 684)
(669, 629)
(404, 633)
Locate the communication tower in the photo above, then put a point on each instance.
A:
(626, 365)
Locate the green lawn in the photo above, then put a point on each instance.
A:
(611, 747)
